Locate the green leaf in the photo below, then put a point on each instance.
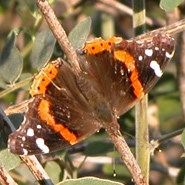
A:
(8, 160)
(101, 148)
(169, 112)
(43, 48)
(165, 85)
(2, 83)
(89, 181)
(79, 34)
(168, 5)
(25, 76)
(11, 62)
(50, 167)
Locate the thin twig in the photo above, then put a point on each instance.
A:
(59, 33)
(125, 153)
(5, 178)
(166, 137)
(17, 108)
(15, 86)
(37, 170)
(155, 143)
(31, 161)
(170, 30)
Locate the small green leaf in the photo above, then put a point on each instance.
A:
(167, 114)
(43, 48)
(8, 160)
(25, 76)
(101, 148)
(11, 62)
(50, 167)
(89, 181)
(2, 83)
(79, 34)
(168, 5)
(165, 85)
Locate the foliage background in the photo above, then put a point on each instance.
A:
(94, 156)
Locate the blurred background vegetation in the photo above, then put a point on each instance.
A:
(96, 155)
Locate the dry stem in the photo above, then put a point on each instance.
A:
(5, 178)
(59, 33)
(125, 153)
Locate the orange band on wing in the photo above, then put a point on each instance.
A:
(44, 78)
(99, 45)
(129, 62)
(45, 115)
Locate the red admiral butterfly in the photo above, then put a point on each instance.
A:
(66, 108)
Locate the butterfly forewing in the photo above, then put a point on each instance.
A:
(129, 69)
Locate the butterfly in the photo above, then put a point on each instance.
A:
(64, 108)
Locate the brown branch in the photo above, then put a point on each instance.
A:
(5, 178)
(154, 143)
(125, 153)
(170, 30)
(31, 161)
(59, 33)
(37, 170)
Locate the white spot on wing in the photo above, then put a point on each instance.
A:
(121, 71)
(30, 132)
(25, 152)
(155, 66)
(23, 138)
(140, 58)
(168, 55)
(68, 113)
(149, 52)
(40, 143)
(39, 126)
(156, 48)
